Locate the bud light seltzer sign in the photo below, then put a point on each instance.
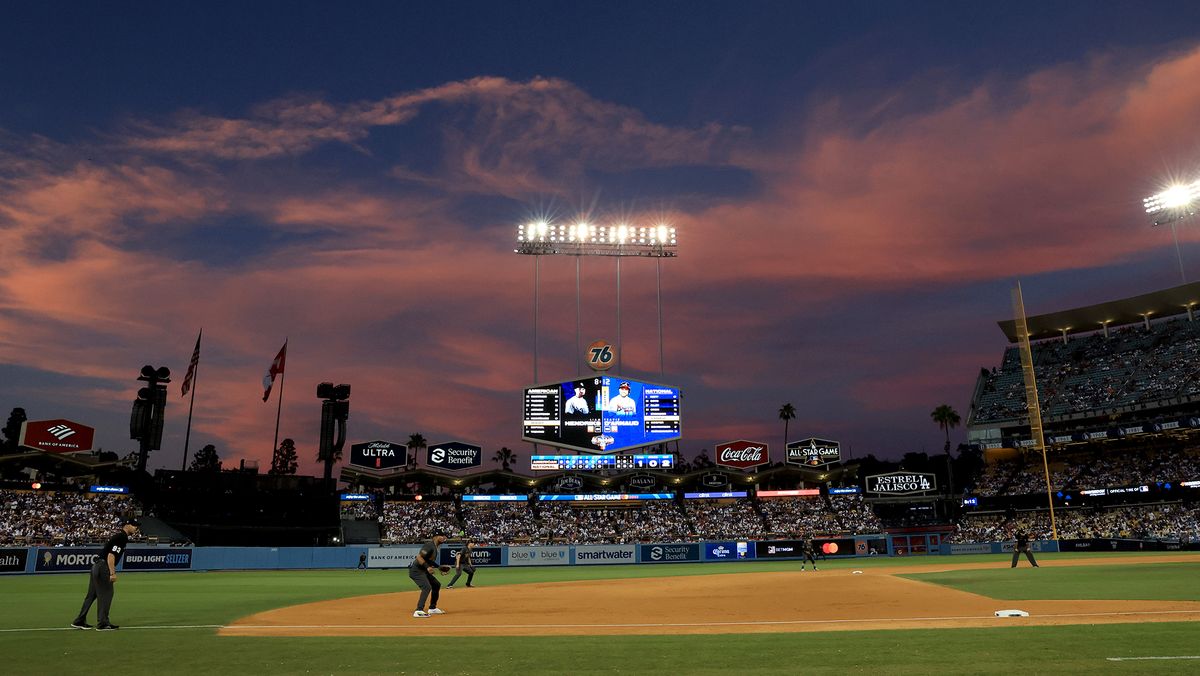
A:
(901, 483)
(455, 455)
(813, 452)
(742, 454)
(379, 455)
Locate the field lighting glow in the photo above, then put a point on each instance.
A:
(1177, 197)
(584, 238)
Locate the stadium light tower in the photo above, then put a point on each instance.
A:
(543, 238)
(1172, 205)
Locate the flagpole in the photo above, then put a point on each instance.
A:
(187, 438)
(279, 410)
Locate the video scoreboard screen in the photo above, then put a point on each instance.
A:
(601, 414)
(598, 462)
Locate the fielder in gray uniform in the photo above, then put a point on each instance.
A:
(422, 570)
(463, 563)
(102, 578)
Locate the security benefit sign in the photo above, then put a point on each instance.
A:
(454, 455)
(813, 452)
(901, 483)
(742, 454)
(668, 553)
(56, 436)
(379, 455)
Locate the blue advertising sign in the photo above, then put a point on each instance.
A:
(845, 491)
(495, 498)
(108, 489)
(356, 497)
(65, 559)
(157, 559)
(725, 494)
(722, 551)
(609, 497)
(480, 556)
(667, 553)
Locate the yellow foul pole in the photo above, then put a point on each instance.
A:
(1031, 395)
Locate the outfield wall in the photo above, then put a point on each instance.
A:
(18, 560)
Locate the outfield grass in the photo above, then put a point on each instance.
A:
(1157, 582)
(170, 599)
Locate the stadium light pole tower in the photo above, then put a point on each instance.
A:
(587, 239)
(1171, 206)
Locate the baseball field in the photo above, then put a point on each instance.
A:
(1116, 613)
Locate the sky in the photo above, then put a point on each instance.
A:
(856, 187)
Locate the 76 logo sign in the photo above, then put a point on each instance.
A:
(600, 356)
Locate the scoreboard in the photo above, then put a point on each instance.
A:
(601, 414)
(599, 462)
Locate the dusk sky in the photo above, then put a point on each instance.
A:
(856, 187)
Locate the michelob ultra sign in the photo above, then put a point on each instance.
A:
(379, 455)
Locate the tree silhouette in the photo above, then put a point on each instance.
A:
(12, 430)
(505, 456)
(416, 442)
(206, 460)
(285, 460)
(787, 413)
(947, 418)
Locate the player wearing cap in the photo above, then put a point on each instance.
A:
(421, 571)
(463, 563)
(578, 403)
(622, 404)
(102, 578)
(810, 553)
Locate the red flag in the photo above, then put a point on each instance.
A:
(275, 370)
(191, 373)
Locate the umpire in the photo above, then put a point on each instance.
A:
(463, 563)
(1022, 546)
(421, 571)
(102, 577)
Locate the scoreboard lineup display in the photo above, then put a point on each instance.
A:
(601, 414)
(599, 462)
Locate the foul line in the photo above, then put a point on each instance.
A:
(1170, 657)
(635, 625)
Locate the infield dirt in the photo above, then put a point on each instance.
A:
(828, 600)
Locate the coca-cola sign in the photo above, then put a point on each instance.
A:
(379, 455)
(56, 436)
(742, 454)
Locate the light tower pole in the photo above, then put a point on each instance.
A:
(1171, 206)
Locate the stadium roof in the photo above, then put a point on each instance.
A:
(1114, 313)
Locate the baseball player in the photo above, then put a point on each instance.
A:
(622, 404)
(421, 571)
(1022, 546)
(578, 403)
(463, 563)
(103, 576)
(810, 554)
(362, 561)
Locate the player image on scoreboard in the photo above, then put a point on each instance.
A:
(581, 412)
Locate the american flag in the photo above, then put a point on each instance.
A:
(191, 373)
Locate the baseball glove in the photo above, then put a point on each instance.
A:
(444, 569)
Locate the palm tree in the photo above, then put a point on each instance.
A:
(787, 413)
(415, 442)
(947, 418)
(504, 456)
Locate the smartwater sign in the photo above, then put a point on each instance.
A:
(379, 455)
(539, 556)
(13, 560)
(670, 553)
(391, 557)
(157, 559)
(454, 455)
(586, 555)
(901, 483)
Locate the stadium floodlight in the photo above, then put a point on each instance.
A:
(543, 238)
(1175, 203)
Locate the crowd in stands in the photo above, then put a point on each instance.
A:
(61, 518)
(724, 520)
(1172, 521)
(855, 515)
(414, 521)
(1092, 373)
(502, 522)
(1090, 470)
(359, 510)
(798, 518)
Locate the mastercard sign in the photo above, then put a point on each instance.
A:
(56, 436)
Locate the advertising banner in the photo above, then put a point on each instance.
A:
(157, 559)
(742, 454)
(726, 551)
(587, 555)
(454, 455)
(392, 557)
(971, 548)
(539, 556)
(813, 452)
(901, 483)
(643, 481)
(379, 455)
(65, 559)
(714, 480)
(56, 436)
(13, 560)
(480, 556)
(775, 549)
(670, 553)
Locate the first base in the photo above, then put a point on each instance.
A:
(1011, 613)
(856, 572)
